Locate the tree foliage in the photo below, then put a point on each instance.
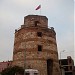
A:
(13, 70)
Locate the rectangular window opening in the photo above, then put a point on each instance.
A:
(39, 34)
(36, 23)
(35, 73)
(39, 48)
(70, 67)
(27, 73)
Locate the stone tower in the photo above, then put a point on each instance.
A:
(35, 45)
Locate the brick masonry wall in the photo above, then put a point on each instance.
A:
(29, 20)
(26, 47)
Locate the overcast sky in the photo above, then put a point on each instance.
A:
(60, 14)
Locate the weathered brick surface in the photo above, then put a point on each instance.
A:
(26, 45)
(29, 20)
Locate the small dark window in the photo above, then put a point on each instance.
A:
(39, 48)
(64, 62)
(36, 23)
(39, 34)
(70, 67)
(27, 74)
(35, 73)
(66, 68)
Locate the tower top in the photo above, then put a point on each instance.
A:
(35, 21)
(34, 16)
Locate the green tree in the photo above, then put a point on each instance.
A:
(13, 70)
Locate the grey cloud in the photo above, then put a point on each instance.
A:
(12, 13)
